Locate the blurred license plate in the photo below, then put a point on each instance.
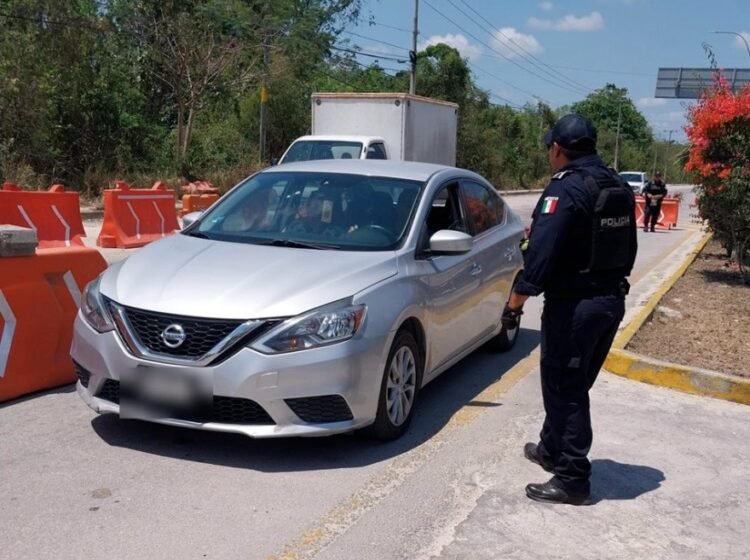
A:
(147, 393)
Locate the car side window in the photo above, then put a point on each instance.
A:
(376, 151)
(484, 208)
(445, 213)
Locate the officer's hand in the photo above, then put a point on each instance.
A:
(510, 317)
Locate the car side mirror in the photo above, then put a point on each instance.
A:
(451, 242)
(274, 161)
(190, 218)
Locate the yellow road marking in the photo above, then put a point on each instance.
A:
(344, 515)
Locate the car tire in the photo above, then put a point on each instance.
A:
(399, 389)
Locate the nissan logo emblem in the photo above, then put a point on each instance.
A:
(173, 336)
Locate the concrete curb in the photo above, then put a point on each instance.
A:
(682, 378)
(664, 374)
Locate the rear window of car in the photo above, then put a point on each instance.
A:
(632, 177)
(307, 150)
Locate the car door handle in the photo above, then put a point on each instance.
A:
(475, 269)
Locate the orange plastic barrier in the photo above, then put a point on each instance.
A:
(198, 196)
(670, 209)
(54, 214)
(197, 202)
(39, 299)
(136, 217)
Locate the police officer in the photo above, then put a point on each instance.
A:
(654, 192)
(580, 249)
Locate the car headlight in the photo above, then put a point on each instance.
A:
(93, 309)
(325, 325)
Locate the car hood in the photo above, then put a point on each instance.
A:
(195, 277)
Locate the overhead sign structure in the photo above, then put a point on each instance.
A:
(689, 83)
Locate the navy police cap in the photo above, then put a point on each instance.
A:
(573, 131)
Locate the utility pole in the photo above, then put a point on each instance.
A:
(413, 51)
(617, 138)
(262, 141)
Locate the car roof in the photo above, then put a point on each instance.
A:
(341, 138)
(412, 170)
(638, 172)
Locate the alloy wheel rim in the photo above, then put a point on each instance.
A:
(401, 386)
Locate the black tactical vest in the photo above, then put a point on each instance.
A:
(611, 223)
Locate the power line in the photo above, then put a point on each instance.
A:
(549, 75)
(551, 70)
(373, 22)
(369, 54)
(377, 66)
(597, 71)
(376, 40)
(499, 79)
(544, 78)
(506, 101)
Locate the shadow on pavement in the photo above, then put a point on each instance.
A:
(438, 402)
(611, 480)
(69, 388)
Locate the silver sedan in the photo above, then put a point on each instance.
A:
(312, 299)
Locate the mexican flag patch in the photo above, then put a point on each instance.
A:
(549, 205)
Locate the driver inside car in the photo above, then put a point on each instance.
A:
(252, 215)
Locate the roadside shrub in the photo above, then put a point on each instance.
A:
(719, 159)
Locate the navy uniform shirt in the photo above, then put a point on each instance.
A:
(655, 187)
(560, 242)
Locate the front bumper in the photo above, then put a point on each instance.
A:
(351, 370)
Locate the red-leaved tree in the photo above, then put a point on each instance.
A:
(719, 159)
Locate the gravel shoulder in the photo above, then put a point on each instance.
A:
(704, 320)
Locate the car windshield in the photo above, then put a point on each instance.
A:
(306, 150)
(632, 177)
(314, 210)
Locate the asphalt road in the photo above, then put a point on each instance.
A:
(77, 485)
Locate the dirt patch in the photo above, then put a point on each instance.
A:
(704, 320)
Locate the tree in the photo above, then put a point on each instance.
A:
(196, 52)
(604, 107)
(719, 158)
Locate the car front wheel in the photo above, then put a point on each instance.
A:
(399, 389)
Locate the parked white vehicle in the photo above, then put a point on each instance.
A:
(307, 148)
(636, 179)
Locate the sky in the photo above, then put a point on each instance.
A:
(561, 50)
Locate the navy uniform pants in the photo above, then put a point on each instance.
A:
(576, 337)
(651, 215)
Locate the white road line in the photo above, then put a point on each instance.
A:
(70, 282)
(6, 338)
(64, 223)
(137, 221)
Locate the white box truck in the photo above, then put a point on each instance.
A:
(379, 126)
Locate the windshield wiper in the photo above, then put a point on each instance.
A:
(198, 234)
(297, 244)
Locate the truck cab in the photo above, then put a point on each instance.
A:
(306, 148)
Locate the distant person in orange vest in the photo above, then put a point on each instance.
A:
(654, 192)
